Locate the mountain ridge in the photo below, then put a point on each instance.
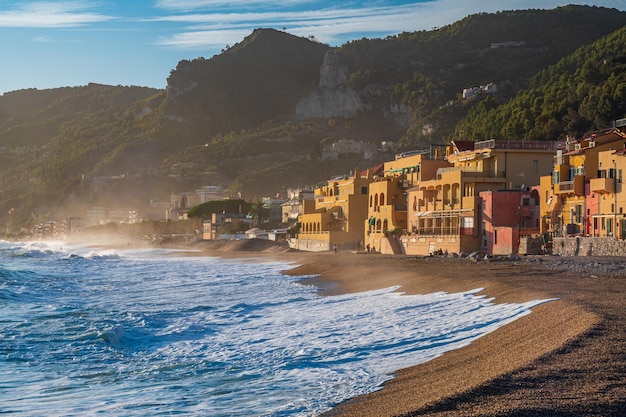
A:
(233, 119)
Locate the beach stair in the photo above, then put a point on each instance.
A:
(395, 245)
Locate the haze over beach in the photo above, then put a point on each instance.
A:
(49, 44)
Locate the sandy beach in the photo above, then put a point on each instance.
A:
(566, 358)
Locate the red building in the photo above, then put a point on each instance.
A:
(507, 215)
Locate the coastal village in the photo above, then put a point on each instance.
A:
(490, 197)
(493, 197)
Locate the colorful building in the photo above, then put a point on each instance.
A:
(338, 216)
(444, 212)
(607, 200)
(387, 208)
(507, 216)
(580, 197)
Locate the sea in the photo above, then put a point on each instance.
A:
(151, 332)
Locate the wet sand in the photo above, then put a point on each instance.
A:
(566, 358)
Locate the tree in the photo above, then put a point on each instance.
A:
(259, 212)
(206, 209)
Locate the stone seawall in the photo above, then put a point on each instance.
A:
(588, 246)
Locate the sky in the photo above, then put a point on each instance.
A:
(49, 44)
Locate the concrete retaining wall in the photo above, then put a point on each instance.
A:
(588, 246)
(530, 245)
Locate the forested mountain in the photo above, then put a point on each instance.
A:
(583, 92)
(428, 70)
(256, 117)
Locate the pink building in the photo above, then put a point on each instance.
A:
(506, 215)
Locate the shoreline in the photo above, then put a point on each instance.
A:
(573, 363)
(566, 356)
(505, 350)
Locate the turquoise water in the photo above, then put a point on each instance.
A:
(144, 332)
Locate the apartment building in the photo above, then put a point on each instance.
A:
(387, 204)
(338, 215)
(444, 213)
(583, 194)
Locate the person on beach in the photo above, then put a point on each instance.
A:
(368, 248)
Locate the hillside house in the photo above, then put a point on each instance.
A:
(347, 146)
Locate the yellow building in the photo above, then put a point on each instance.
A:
(444, 212)
(609, 218)
(338, 216)
(580, 197)
(387, 208)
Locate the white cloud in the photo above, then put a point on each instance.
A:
(50, 15)
(330, 25)
(187, 5)
(207, 38)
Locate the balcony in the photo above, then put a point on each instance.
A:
(574, 187)
(602, 185)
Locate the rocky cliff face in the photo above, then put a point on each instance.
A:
(335, 98)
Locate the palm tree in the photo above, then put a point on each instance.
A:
(259, 212)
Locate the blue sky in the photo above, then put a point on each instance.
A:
(48, 44)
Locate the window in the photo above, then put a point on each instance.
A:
(579, 213)
(467, 222)
(363, 190)
(535, 166)
(495, 237)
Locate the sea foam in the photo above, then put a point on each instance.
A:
(136, 333)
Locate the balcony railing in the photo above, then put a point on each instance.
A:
(566, 186)
(507, 144)
(472, 171)
(576, 186)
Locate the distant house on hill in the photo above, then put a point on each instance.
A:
(490, 88)
(346, 146)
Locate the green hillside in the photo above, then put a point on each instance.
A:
(231, 120)
(583, 92)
